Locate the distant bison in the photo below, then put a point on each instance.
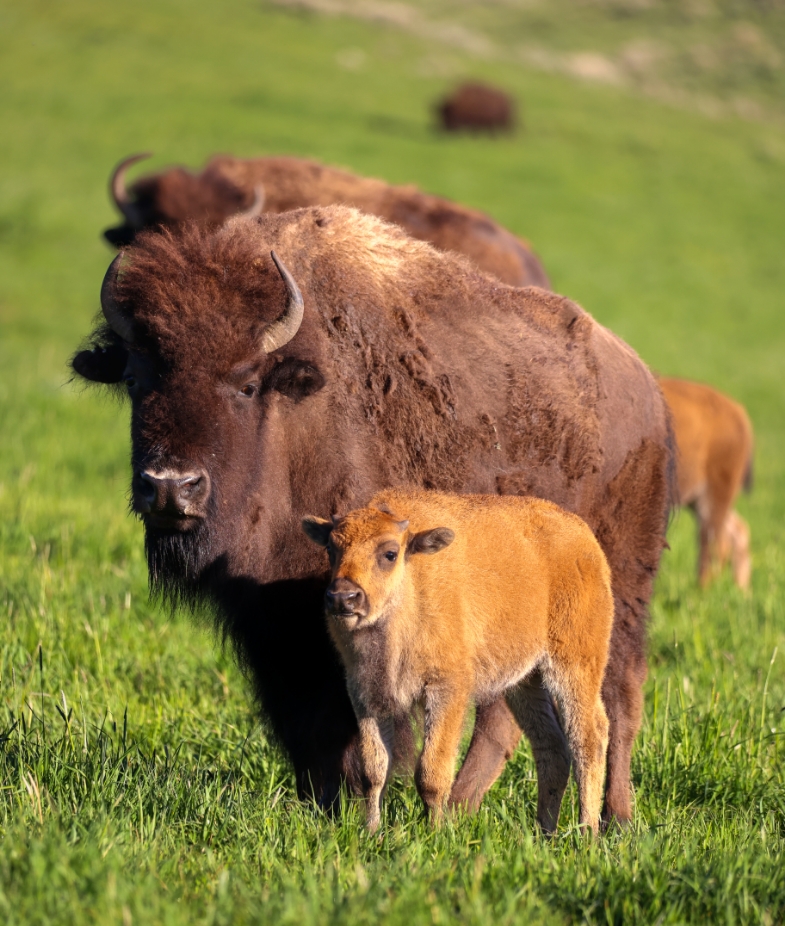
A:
(228, 186)
(265, 388)
(446, 600)
(474, 107)
(714, 462)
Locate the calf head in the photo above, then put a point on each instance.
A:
(368, 551)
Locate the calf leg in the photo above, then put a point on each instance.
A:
(738, 533)
(376, 757)
(707, 544)
(376, 750)
(495, 738)
(713, 510)
(533, 708)
(404, 754)
(445, 710)
(578, 687)
(588, 734)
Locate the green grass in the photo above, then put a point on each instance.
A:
(714, 56)
(136, 786)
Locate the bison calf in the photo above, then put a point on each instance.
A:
(521, 591)
(714, 462)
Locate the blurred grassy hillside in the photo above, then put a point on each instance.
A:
(159, 798)
(712, 56)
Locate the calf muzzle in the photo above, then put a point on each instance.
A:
(345, 599)
(169, 497)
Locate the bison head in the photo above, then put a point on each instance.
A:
(205, 332)
(368, 551)
(174, 196)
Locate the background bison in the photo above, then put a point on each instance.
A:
(408, 366)
(713, 463)
(228, 185)
(475, 107)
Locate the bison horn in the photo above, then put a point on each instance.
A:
(257, 206)
(115, 318)
(287, 326)
(120, 193)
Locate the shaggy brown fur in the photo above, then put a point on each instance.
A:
(227, 185)
(477, 107)
(714, 461)
(410, 367)
(521, 585)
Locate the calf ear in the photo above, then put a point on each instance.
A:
(296, 379)
(318, 529)
(101, 364)
(430, 541)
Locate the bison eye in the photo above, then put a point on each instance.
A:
(391, 556)
(249, 390)
(130, 382)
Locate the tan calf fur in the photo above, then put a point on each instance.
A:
(714, 461)
(444, 600)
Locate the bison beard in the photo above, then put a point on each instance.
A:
(184, 573)
(429, 374)
(176, 564)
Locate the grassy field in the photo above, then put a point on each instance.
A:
(136, 785)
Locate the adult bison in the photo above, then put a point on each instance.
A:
(474, 107)
(227, 186)
(263, 391)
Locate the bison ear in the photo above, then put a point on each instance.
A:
(120, 236)
(101, 364)
(296, 379)
(318, 529)
(430, 541)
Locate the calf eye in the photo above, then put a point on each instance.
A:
(391, 556)
(249, 390)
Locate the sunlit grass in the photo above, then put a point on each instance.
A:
(136, 784)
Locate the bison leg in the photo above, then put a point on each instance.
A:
(281, 638)
(533, 708)
(710, 553)
(622, 696)
(588, 726)
(376, 749)
(713, 512)
(630, 526)
(495, 738)
(738, 534)
(445, 710)
(578, 682)
(405, 752)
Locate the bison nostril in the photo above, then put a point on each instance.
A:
(344, 600)
(189, 486)
(147, 488)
